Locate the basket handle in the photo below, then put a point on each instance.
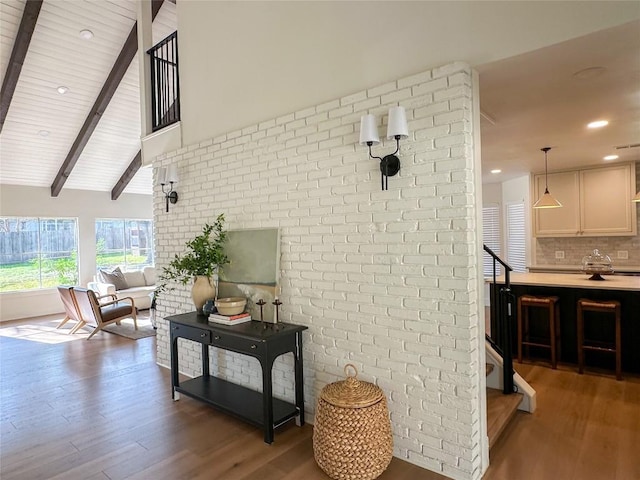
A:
(346, 371)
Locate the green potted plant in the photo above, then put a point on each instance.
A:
(201, 262)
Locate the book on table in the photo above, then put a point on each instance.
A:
(230, 319)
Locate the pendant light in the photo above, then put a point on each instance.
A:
(546, 200)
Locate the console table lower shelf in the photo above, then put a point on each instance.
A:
(264, 342)
(236, 400)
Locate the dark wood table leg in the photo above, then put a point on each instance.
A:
(205, 360)
(175, 380)
(299, 387)
(267, 399)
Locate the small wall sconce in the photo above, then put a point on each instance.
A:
(396, 128)
(168, 176)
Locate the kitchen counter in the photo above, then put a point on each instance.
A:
(617, 269)
(569, 288)
(574, 280)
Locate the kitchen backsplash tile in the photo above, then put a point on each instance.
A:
(575, 248)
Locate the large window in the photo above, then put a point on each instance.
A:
(38, 252)
(127, 244)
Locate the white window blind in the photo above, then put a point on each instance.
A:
(516, 242)
(491, 237)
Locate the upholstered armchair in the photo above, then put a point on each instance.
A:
(91, 311)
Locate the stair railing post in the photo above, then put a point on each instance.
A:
(504, 312)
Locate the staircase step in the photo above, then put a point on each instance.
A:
(490, 367)
(500, 410)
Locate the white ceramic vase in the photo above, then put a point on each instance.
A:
(202, 291)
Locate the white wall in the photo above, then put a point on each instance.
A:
(387, 280)
(242, 63)
(492, 193)
(86, 206)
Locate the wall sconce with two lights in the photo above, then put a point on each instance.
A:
(168, 176)
(396, 128)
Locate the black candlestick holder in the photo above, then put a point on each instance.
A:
(277, 303)
(261, 303)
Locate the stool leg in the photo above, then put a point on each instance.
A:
(580, 339)
(618, 346)
(558, 333)
(552, 336)
(520, 313)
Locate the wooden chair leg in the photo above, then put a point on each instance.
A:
(66, 319)
(77, 327)
(95, 330)
(135, 322)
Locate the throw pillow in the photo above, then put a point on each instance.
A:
(115, 277)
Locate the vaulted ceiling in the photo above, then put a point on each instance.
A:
(541, 98)
(42, 125)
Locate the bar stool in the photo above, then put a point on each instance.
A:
(611, 306)
(551, 305)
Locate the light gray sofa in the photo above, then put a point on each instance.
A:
(140, 285)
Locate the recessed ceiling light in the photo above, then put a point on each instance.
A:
(62, 89)
(43, 133)
(86, 34)
(598, 124)
(611, 157)
(496, 170)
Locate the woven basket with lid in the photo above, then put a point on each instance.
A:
(352, 433)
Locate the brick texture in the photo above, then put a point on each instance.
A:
(385, 280)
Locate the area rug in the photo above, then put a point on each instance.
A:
(125, 329)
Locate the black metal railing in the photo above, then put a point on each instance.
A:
(165, 82)
(502, 310)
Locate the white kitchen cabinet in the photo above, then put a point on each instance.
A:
(595, 202)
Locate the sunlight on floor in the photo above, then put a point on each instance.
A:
(44, 332)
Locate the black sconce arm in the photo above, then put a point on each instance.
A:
(389, 165)
(170, 195)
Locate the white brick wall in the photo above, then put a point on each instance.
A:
(383, 279)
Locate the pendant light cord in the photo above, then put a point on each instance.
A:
(546, 172)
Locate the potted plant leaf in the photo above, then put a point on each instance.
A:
(201, 262)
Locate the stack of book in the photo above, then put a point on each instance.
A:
(230, 320)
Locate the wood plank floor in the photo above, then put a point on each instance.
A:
(586, 427)
(101, 409)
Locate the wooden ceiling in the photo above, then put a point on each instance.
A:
(41, 125)
(532, 100)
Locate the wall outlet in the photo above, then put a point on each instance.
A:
(559, 254)
(623, 254)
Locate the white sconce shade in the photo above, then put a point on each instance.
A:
(162, 175)
(172, 174)
(397, 123)
(369, 130)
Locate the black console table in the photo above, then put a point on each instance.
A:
(263, 341)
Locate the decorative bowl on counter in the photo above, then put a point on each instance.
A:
(596, 265)
(231, 305)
